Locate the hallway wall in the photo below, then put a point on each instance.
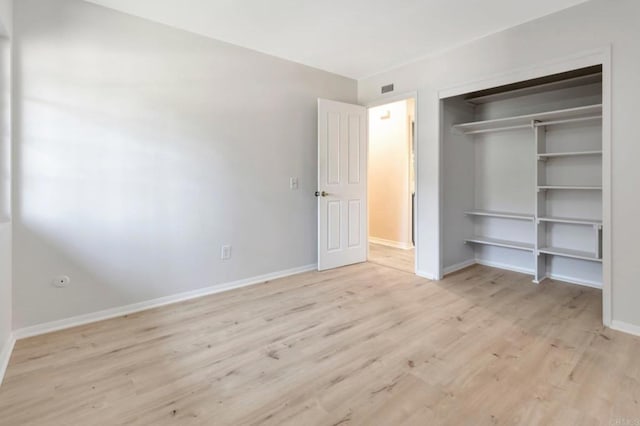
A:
(389, 175)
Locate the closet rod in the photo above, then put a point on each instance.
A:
(499, 129)
(566, 120)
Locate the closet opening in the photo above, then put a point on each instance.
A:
(391, 184)
(523, 178)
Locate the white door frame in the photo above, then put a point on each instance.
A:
(388, 100)
(600, 56)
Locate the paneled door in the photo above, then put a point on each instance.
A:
(342, 184)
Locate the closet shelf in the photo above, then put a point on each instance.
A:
(548, 155)
(571, 220)
(500, 243)
(590, 112)
(580, 187)
(574, 254)
(505, 215)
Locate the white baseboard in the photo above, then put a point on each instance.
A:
(154, 303)
(570, 280)
(505, 266)
(389, 243)
(625, 327)
(498, 265)
(5, 355)
(426, 275)
(566, 279)
(458, 266)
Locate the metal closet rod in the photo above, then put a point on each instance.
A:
(499, 129)
(566, 120)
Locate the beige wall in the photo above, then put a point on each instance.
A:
(389, 174)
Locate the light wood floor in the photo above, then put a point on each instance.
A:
(364, 344)
(403, 260)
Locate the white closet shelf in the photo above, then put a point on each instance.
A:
(589, 112)
(571, 220)
(567, 154)
(575, 254)
(505, 215)
(500, 243)
(580, 187)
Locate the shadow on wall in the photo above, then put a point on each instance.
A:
(134, 163)
(113, 208)
(138, 211)
(5, 129)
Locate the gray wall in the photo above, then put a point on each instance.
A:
(458, 179)
(141, 149)
(6, 17)
(5, 176)
(592, 25)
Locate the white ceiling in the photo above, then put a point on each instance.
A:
(355, 38)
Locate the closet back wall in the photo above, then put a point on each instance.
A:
(141, 149)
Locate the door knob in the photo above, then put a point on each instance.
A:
(323, 193)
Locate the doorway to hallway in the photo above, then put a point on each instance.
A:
(391, 184)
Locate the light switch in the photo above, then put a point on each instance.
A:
(293, 183)
(225, 253)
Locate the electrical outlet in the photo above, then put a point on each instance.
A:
(61, 281)
(225, 253)
(293, 183)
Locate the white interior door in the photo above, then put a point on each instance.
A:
(342, 184)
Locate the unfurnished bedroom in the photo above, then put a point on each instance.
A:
(419, 212)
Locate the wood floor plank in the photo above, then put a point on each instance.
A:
(402, 260)
(365, 344)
